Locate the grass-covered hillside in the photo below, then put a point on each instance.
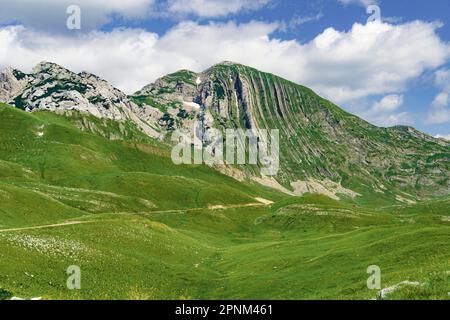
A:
(77, 190)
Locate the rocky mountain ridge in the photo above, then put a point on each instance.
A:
(52, 87)
(323, 148)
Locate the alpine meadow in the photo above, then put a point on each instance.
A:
(224, 158)
(87, 179)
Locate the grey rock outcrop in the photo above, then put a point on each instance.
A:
(52, 87)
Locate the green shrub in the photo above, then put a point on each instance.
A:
(5, 294)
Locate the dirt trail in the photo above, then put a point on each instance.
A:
(261, 202)
(69, 223)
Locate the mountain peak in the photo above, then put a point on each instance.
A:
(321, 143)
(227, 63)
(46, 66)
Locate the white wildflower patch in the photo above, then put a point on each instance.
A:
(50, 246)
(311, 209)
(389, 290)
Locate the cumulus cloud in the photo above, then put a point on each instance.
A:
(442, 77)
(438, 116)
(213, 8)
(388, 103)
(385, 112)
(441, 100)
(52, 14)
(373, 59)
(439, 112)
(391, 119)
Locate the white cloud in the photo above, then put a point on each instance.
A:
(376, 58)
(298, 20)
(385, 112)
(52, 15)
(443, 136)
(364, 3)
(389, 103)
(438, 116)
(441, 100)
(213, 8)
(439, 112)
(442, 79)
(390, 119)
(372, 59)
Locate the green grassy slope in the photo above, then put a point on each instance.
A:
(142, 228)
(234, 253)
(48, 154)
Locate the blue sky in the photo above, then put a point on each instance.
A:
(390, 71)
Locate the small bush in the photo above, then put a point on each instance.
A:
(5, 294)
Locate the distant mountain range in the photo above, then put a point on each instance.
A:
(323, 148)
